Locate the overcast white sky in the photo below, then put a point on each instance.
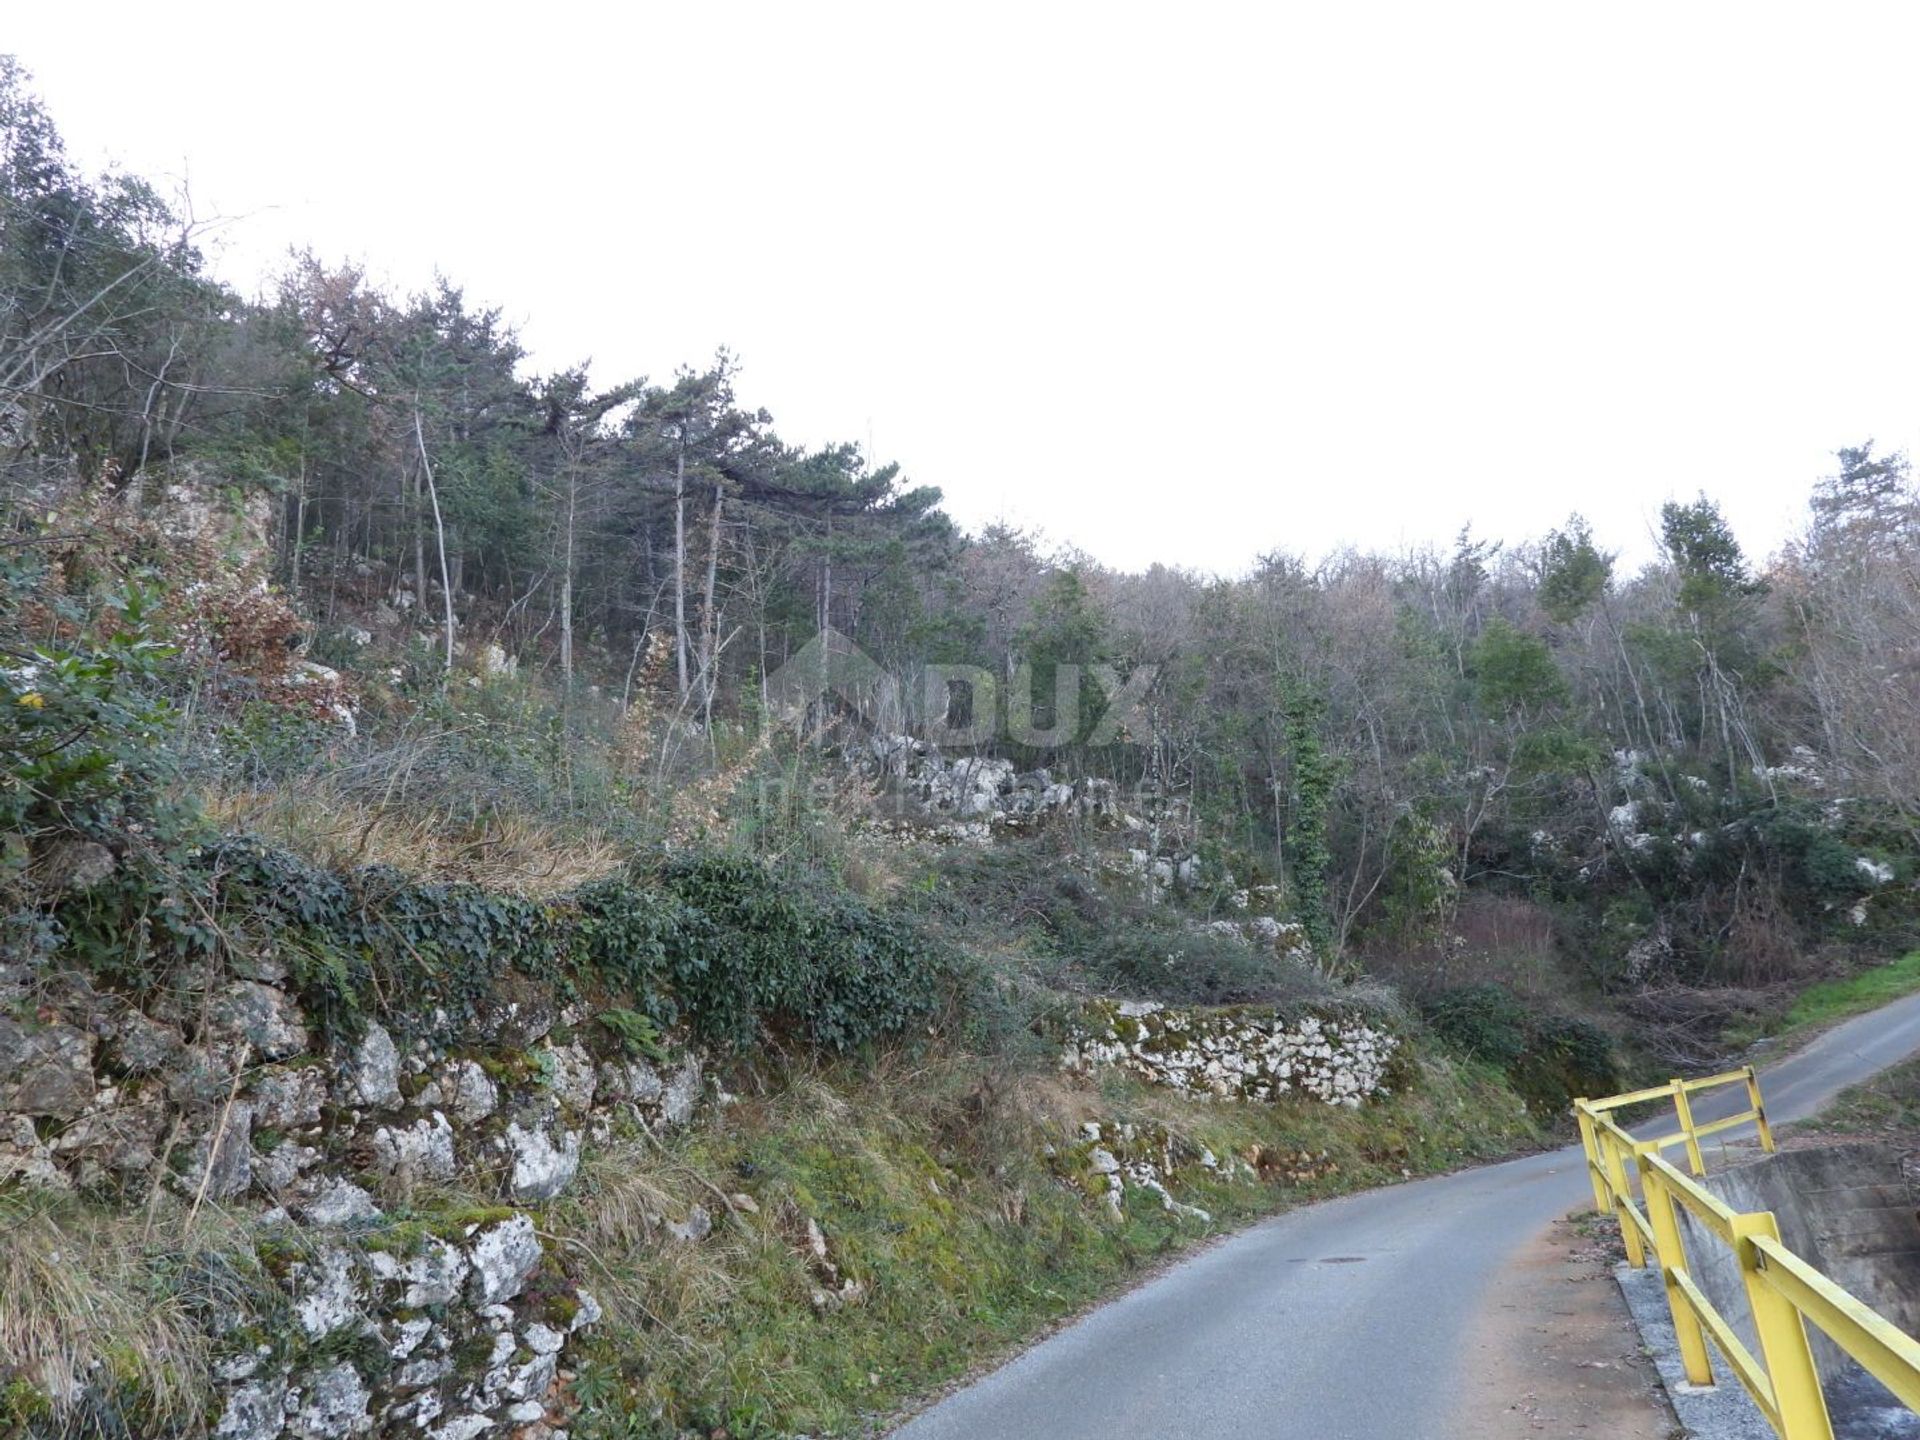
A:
(1179, 283)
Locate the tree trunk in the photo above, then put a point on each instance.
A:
(299, 528)
(566, 586)
(709, 623)
(439, 533)
(680, 561)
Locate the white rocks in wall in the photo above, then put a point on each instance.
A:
(373, 1071)
(279, 1169)
(332, 1406)
(473, 1092)
(329, 1292)
(569, 1076)
(289, 1099)
(682, 1094)
(1242, 1053)
(542, 1168)
(417, 1152)
(435, 1276)
(220, 1160)
(265, 1018)
(340, 1202)
(46, 1071)
(504, 1255)
(254, 1411)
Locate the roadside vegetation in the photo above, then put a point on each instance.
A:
(1885, 1108)
(1827, 1002)
(948, 1234)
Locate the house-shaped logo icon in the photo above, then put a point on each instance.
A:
(831, 665)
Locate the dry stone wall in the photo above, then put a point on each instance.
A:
(400, 1310)
(1238, 1052)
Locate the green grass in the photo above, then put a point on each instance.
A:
(1831, 1001)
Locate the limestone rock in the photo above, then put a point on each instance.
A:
(420, 1151)
(435, 1276)
(266, 1018)
(682, 1092)
(463, 1427)
(330, 1297)
(220, 1160)
(633, 1080)
(589, 1313)
(141, 1046)
(333, 1406)
(340, 1203)
(278, 1169)
(695, 1228)
(254, 1411)
(121, 1138)
(474, 1095)
(523, 1014)
(201, 1078)
(373, 1072)
(289, 1099)
(542, 1169)
(45, 1071)
(570, 1076)
(503, 1256)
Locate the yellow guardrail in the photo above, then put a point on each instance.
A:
(1783, 1292)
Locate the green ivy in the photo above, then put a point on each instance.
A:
(736, 950)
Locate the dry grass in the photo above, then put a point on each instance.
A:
(506, 852)
(613, 1227)
(104, 1302)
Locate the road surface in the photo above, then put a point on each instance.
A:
(1346, 1320)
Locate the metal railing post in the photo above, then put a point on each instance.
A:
(1587, 1144)
(1783, 1337)
(1623, 1202)
(1759, 1110)
(1670, 1254)
(1683, 1111)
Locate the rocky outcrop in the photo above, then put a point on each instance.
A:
(1109, 1161)
(967, 797)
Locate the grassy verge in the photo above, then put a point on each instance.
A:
(1887, 1107)
(897, 1231)
(1831, 1001)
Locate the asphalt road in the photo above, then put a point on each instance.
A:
(1339, 1321)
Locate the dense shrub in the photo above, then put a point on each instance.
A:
(757, 950)
(1482, 1021)
(1565, 1058)
(1549, 1058)
(1086, 932)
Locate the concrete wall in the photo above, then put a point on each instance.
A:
(1845, 1209)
